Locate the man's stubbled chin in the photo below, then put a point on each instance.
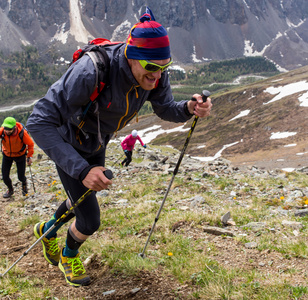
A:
(152, 80)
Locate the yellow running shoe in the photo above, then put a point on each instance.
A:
(51, 249)
(73, 270)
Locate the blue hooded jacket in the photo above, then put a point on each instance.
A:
(53, 122)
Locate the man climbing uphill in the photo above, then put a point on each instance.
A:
(136, 75)
(128, 145)
(18, 147)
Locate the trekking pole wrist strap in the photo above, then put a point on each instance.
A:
(186, 110)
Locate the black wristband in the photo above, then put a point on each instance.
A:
(186, 110)
(85, 172)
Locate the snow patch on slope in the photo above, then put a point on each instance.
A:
(77, 29)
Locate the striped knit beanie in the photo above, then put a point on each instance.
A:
(148, 39)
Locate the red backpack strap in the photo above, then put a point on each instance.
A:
(99, 41)
(76, 55)
(101, 63)
(102, 42)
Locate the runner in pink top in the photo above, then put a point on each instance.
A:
(128, 145)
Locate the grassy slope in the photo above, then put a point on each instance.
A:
(188, 263)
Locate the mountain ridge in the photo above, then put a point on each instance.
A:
(199, 31)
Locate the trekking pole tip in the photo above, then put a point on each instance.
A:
(141, 255)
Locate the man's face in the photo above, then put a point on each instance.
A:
(9, 131)
(146, 79)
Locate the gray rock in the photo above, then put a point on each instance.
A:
(301, 212)
(135, 290)
(292, 224)
(217, 231)
(225, 218)
(255, 226)
(196, 201)
(109, 292)
(251, 245)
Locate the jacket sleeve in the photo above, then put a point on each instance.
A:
(29, 142)
(123, 143)
(139, 139)
(164, 104)
(61, 101)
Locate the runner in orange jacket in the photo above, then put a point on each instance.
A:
(16, 145)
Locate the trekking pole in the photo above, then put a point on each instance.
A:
(205, 94)
(32, 179)
(107, 173)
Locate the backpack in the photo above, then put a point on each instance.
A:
(95, 50)
(21, 133)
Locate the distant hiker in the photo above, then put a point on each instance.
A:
(128, 145)
(18, 146)
(135, 75)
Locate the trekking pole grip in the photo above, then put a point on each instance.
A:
(205, 94)
(108, 174)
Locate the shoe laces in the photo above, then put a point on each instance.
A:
(53, 247)
(77, 266)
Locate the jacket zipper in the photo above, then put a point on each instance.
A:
(135, 113)
(10, 145)
(127, 108)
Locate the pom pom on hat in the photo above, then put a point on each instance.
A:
(148, 39)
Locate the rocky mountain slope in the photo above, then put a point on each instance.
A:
(200, 30)
(244, 226)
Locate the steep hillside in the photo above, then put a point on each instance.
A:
(223, 233)
(250, 138)
(199, 30)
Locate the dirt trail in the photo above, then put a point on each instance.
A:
(14, 242)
